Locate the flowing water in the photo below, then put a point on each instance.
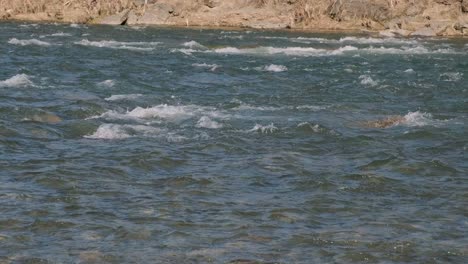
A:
(159, 145)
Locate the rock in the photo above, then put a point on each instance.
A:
(46, 118)
(117, 19)
(425, 32)
(385, 123)
(395, 32)
(464, 6)
(351, 9)
(434, 29)
(211, 3)
(155, 14)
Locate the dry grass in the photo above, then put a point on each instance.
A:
(101, 7)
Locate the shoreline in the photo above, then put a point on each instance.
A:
(230, 28)
(378, 17)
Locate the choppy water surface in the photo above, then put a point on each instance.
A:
(147, 145)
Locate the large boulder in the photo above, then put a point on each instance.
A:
(117, 19)
(155, 14)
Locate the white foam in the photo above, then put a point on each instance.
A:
(112, 44)
(212, 67)
(116, 131)
(185, 51)
(268, 129)
(351, 40)
(409, 71)
(294, 51)
(244, 107)
(206, 122)
(26, 42)
(194, 45)
(312, 107)
(371, 40)
(77, 26)
(107, 83)
(172, 113)
(19, 80)
(273, 68)
(118, 97)
(451, 76)
(407, 50)
(310, 51)
(367, 80)
(315, 128)
(418, 119)
(58, 34)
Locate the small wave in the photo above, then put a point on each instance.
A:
(353, 40)
(77, 26)
(212, 67)
(19, 80)
(273, 68)
(112, 44)
(115, 131)
(118, 97)
(107, 83)
(26, 42)
(185, 51)
(194, 45)
(418, 119)
(248, 107)
(367, 80)
(312, 107)
(412, 119)
(451, 76)
(377, 40)
(309, 51)
(295, 51)
(163, 111)
(314, 128)
(407, 50)
(409, 71)
(206, 122)
(268, 129)
(231, 37)
(58, 34)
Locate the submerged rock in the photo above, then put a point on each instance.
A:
(385, 123)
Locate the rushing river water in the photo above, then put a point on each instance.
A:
(157, 145)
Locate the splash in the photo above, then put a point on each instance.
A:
(206, 122)
(19, 80)
(119, 97)
(27, 42)
(268, 129)
(112, 44)
(273, 68)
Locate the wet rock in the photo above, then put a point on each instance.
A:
(385, 123)
(117, 19)
(46, 118)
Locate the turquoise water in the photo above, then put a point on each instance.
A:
(157, 145)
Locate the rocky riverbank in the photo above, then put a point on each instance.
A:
(389, 17)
